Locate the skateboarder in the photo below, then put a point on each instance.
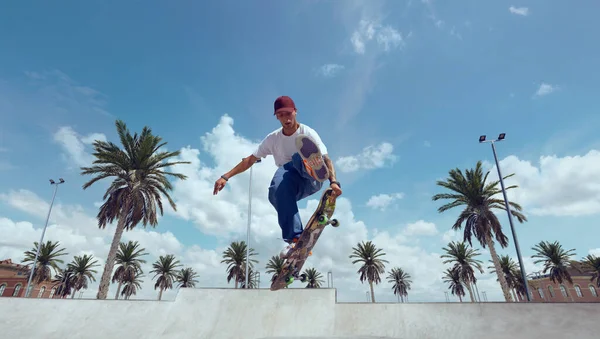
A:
(303, 165)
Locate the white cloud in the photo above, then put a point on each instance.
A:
(556, 186)
(452, 235)
(383, 201)
(385, 36)
(74, 145)
(545, 89)
(330, 70)
(371, 157)
(421, 227)
(524, 11)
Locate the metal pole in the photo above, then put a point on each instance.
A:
(512, 227)
(477, 290)
(249, 221)
(27, 291)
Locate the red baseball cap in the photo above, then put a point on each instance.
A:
(284, 104)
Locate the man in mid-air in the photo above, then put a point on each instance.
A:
(303, 165)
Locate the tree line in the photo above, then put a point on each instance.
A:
(140, 184)
(77, 274)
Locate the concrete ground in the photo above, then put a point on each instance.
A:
(289, 313)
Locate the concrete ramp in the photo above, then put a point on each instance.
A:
(289, 313)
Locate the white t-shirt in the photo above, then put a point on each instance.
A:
(282, 147)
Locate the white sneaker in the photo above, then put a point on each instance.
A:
(286, 250)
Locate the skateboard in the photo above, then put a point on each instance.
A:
(298, 255)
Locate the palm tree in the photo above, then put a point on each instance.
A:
(132, 284)
(186, 277)
(135, 194)
(274, 266)
(452, 277)
(48, 258)
(401, 281)
(372, 266)
(64, 282)
(509, 270)
(464, 261)
(314, 278)
(165, 268)
(82, 271)
(129, 263)
(252, 279)
(479, 201)
(519, 285)
(235, 258)
(555, 259)
(591, 264)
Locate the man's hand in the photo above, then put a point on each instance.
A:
(337, 191)
(219, 184)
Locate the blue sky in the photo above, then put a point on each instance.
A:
(403, 88)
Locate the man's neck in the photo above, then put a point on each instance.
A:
(288, 132)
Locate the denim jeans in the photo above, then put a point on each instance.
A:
(291, 183)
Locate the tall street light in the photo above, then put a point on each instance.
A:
(52, 182)
(249, 221)
(512, 227)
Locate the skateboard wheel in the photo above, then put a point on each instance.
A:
(303, 277)
(322, 219)
(289, 280)
(335, 223)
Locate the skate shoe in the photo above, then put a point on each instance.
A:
(285, 252)
(312, 158)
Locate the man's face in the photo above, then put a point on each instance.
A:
(287, 119)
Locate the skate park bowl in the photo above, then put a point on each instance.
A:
(289, 313)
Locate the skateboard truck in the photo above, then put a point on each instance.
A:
(322, 219)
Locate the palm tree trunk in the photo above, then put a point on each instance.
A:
(468, 285)
(514, 294)
(73, 294)
(118, 290)
(110, 261)
(372, 293)
(160, 294)
(499, 272)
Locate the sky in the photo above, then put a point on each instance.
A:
(399, 91)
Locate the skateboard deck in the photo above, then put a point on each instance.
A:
(297, 257)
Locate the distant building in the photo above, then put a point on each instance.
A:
(13, 281)
(583, 288)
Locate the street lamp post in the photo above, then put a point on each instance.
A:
(510, 220)
(52, 182)
(249, 221)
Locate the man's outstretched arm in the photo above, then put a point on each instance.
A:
(242, 166)
(329, 165)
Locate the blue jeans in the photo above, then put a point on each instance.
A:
(290, 184)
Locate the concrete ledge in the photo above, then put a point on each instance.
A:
(290, 313)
